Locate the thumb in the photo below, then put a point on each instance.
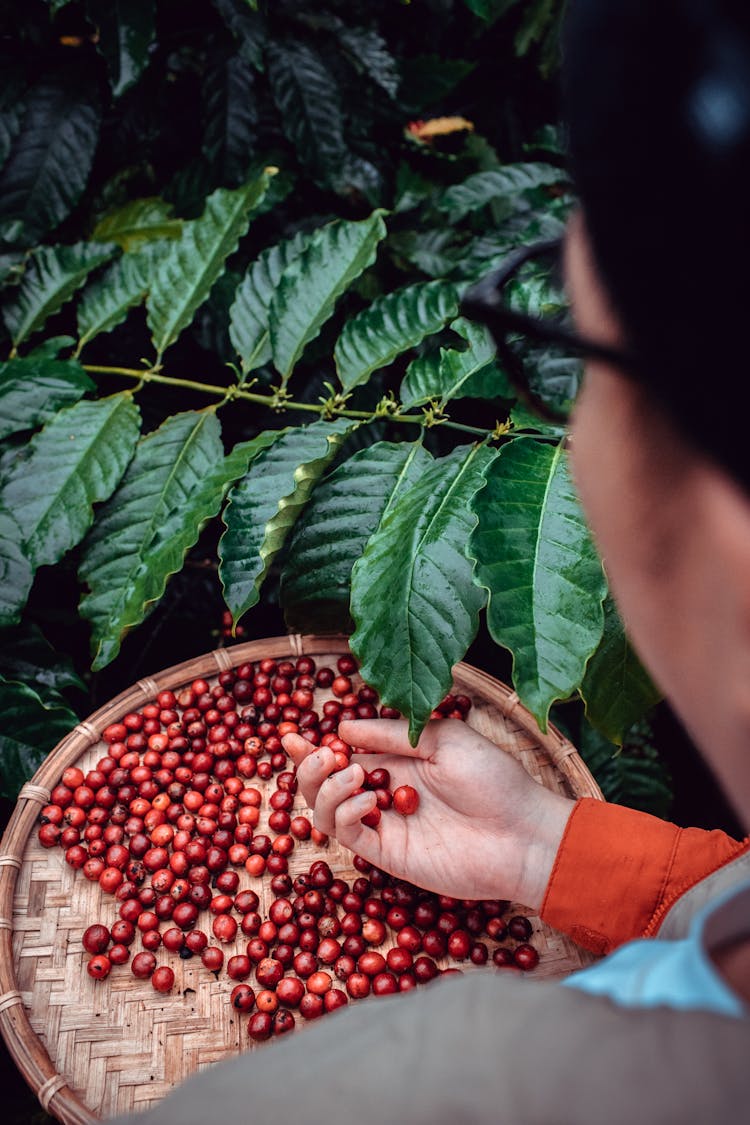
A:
(386, 736)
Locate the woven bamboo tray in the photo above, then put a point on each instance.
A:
(93, 1049)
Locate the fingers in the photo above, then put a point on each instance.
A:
(385, 736)
(334, 789)
(297, 747)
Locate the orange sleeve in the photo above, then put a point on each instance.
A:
(616, 868)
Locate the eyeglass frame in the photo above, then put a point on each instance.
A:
(483, 302)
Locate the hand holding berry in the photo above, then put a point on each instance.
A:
(483, 828)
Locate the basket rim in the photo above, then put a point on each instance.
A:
(22, 1043)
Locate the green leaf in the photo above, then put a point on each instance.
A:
(635, 776)
(309, 104)
(27, 656)
(12, 265)
(263, 507)
(331, 534)
(126, 31)
(509, 184)
(33, 389)
(231, 117)
(310, 286)
(537, 18)
(391, 324)
(426, 79)
(49, 164)
(472, 373)
(52, 276)
(105, 303)
(248, 328)
(76, 461)
(175, 483)
(28, 731)
(12, 108)
(247, 27)
(616, 689)
(413, 599)
(16, 574)
(136, 222)
(368, 53)
(490, 10)
(536, 558)
(193, 264)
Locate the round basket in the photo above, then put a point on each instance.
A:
(93, 1049)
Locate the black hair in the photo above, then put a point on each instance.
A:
(657, 104)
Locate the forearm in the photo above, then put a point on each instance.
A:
(616, 868)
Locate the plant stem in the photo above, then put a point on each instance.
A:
(233, 392)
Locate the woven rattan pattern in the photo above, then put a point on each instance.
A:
(92, 1049)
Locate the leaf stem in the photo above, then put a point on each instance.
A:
(270, 400)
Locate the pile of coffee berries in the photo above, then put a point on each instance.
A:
(168, 822)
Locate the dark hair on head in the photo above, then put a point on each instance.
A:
(657, 102)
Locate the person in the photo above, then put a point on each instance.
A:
(658, 110)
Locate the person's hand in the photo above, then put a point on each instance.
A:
(484, 828)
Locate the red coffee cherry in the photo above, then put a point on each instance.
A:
(405, 800)
(162, 979)
(260, 1026)
(99, 967)
(96, 938)
(143, 965)
(242, 997)
(526, 957)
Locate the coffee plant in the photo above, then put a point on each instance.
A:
(234, 239)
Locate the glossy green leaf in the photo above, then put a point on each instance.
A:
(308, 99)
(331, 534)
(52, 276)
(368, 53)
(33, 389)
(634, 776)
(426, 79)
(28, 731)
(536, 558)
(49, 164)
(126, 31)
(106, 302)
(247, 27)
(16, 573)
(473, 373)
(389, 326)
(193, 263)
(139, 221)
(248, 328)
(264, 505)
(76, 461)
(12, 108)
(616, 689)
(509, 184)
(231, 118)
(413, 599)
(27, 656)
(490, 10)
(175, 483)
(310, 286)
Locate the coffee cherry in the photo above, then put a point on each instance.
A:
(405, 800)
(519, 928)
(99, 967)
(260, 1026)
(96, 938)
(143, 965)
(162, 979)
(526, 957)
(242, 997)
